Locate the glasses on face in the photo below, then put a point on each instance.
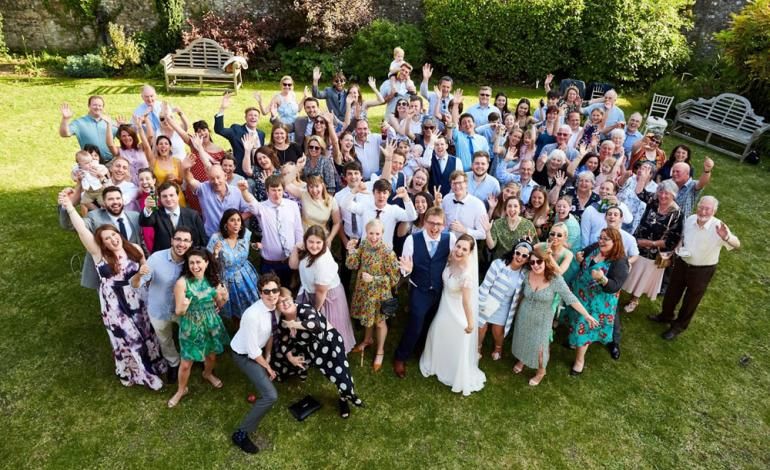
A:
(563, 133)
(655, 141)
(181, 240)
(271, 291)
(485, 94)
(535, 262)
(556, 235)
(287, 85)
(434, 224)
(605, 239)
(286, 301)
(520, 254)
(339, 80)
(428, 128)
(313, 147)
(402, 104)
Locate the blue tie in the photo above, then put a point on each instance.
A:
(122, 228)
(470, 145)
(433, 245)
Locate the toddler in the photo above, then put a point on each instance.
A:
(398, 60)
(92, 176)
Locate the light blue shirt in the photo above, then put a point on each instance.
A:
(463, 148)
(615, 114)
(212, 206)
(154, 116)
(503, 178)
(435, 100)
(90, 131)
(481, 114)
(631, 139)
(482, 190)
(164, 272)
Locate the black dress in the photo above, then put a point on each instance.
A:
(323, 348)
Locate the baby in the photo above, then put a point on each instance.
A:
(412, 160)
(398, 60)
(92, 176)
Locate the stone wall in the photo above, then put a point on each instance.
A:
(52, 27)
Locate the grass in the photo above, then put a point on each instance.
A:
(682, 404)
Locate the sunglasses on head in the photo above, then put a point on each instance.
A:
(271, 291)
(535, 262)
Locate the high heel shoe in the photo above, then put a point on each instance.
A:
(361, 348)
(377, 365)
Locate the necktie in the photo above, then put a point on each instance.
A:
(354, 222)
(281, 235)
(174, 218)
(122, 228)
(275, 331)
(341, 100)
(433, 245)
(470, 145)
(378, 211)
(457, 202)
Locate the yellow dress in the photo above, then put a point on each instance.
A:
(161, 174)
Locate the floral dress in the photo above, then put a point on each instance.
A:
(135, 348)
(201, 331)
(380, 262)
(601, 305)
(321, 346)
(238, 273)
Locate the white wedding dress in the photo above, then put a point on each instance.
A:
(450, 353)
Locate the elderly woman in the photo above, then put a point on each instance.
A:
(318, 163)
(505, 232)
(603, 269)
(658, 234)
(548, 169)
(499, 295)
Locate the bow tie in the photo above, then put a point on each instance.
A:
(457, 202)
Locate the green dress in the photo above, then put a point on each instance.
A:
(380, 262)
(602, 305)
(201, 331)
(505, 238)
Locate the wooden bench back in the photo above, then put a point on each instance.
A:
(728, 109)
(201, 54)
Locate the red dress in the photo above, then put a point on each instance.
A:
(198, 171)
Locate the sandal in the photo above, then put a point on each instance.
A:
(377, 365)
(213, 380)
(173, 401)
(518, 368)
(498, 353)
(631, 306)
(535, 381)
(361, 348)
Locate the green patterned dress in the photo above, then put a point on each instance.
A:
(201, 331)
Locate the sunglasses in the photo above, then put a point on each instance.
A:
(339, 80)
(430, 128)
(402, 103)
(287, 84)
(605, 239)
(520, 254)
(485, 94)
(562, 133)
(556, 234)
(271, 291)
(313, 147)
(535, 262)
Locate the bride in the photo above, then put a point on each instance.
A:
(450, 350)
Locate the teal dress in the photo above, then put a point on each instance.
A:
(600, 304)
(201, 331)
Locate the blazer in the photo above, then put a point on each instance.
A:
(89, 278)
(164, 229)
(234, 134)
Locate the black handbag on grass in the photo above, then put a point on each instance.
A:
(304, 408)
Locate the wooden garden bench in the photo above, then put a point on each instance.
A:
(728, 117)
(201, 63)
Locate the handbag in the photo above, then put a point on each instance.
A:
(304, 408)
(389, 307)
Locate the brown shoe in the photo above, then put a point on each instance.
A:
(399, 368)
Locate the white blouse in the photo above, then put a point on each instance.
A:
(323, 272)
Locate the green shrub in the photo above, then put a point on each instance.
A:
(299, 63)
(371, 49)
(633, 41)
(123, 53)
(166, 36)
(502, 39)
(746, 43)
(325, 24)
(3, 45)
(84, 66)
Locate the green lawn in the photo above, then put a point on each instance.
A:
(682, 404)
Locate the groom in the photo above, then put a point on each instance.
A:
(428, 251)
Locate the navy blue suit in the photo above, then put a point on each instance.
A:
(437, 178)
(425, 291)
(234, 134)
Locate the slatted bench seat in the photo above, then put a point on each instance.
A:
(728, 117)
(201, 63)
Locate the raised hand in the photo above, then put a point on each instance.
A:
(548, 80)
(301, 161)
(486, 225)
(579, 256)
(258, 97)
(708, 164)
(196, 141)
(144, 269)
(66, 111)
(390, 147)
(316, 74)
(188, 161)
(458, 96)
(402, 193)
(723, 231)
(427, 71)
(243, 185)
(306, 93)
(372, 82)
(561, 178)
(437, 196)
(225, 103)
(248, 144)
(217, 248)
(492, 201)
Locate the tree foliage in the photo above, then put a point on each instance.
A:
(372, 48)
(746, 43)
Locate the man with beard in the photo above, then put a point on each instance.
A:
(161, 272)
(113, 213)
(480, 183)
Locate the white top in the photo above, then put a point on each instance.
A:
(323, 272)
(427, 156)
(390, 215)
(369, 154)
(703, 243)
(470, 213)
(254, 332)
(347, 216)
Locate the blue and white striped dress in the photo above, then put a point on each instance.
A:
(504, 285)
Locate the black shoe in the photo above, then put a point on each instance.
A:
(670, 334)
(659, 318)
(344, 409)
(241, 439)
(614, 350)
(171, 375)
(574, 373)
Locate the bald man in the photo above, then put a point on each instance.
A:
(215, 196)
(151, 104)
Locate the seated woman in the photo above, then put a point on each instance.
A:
(307, 340)
(320, 283)
(198, 294)
(603, 270)
(499, 295)
(230, 247)
(135, 348)
(377, 269)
